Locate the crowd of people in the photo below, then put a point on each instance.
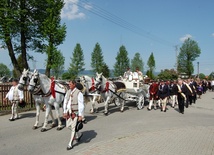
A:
(177, 92)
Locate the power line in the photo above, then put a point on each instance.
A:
(122, 23)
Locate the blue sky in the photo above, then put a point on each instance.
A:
(159, 26)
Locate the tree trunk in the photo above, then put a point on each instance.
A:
(49, 59)
(23, 37)
(11, 54)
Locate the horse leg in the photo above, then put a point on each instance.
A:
(92, 105)
(56, 105)
(122, 103)
(53, 124)
(37, 116)
(47, 112)
(106, 106)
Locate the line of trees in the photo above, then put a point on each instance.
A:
(122, 62)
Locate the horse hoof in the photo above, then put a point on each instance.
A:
(34, 127)
(121, 111)
(43, 130)
(53, 125)
(106, 113)
(59, 128)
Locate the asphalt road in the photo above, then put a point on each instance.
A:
(131, 132)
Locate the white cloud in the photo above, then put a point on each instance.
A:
(185, 37)
(87, 6)
(71, 10)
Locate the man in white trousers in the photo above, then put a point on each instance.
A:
(14, 96)
(73, 108)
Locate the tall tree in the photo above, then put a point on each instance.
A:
(105, 70)
(4, 70)
(58, 63)
(188, 54)
(52, 31)
(77, 62)
(21, 66)
(151, 66)
(97, 61)
(20, 22)
(8, 29)
(137, 61)
(122, 62)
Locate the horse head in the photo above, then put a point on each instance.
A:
(34, 81)
(24, 79)
(99, 77)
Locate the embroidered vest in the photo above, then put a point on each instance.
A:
(74, 100)
(15, 93)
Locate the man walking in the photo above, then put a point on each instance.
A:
(73, 111)
(15, 96)
(181, 95)
(163, 93)
(153, 89)
(174, 94)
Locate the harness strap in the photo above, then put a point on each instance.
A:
(93, 85)
(53, 93)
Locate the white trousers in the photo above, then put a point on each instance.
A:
(71, 124)
(163, 101)
(152, 102)
(174, 100)
(14, 109)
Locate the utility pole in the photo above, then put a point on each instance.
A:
(198, 68)
(176, 57)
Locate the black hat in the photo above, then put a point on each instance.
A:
(79, 126)
(22, 104)
(79, 86)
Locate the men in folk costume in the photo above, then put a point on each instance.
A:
(189, 93)
(163, 93)
(73, 108)
(128, 74)
(182, 90)
(174, 93)
(137, 75)
(153, 89)
(193, 91)
(15, 96)
(194, 84)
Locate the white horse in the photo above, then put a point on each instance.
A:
(42, 83)
(24, 81)
(91, 92)
(111, 91)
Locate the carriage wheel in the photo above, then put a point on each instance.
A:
(140, 102)
(117, 102)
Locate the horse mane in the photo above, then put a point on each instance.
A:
(45, 83)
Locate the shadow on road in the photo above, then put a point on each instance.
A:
(87, 137)
(27, 115)
(90, 118)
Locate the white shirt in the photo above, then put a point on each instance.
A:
(212, 83)
(135, 75)
(67, 104)
(10, 93)
(127, 74)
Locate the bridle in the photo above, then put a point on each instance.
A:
(25, 78)
(37, 90)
